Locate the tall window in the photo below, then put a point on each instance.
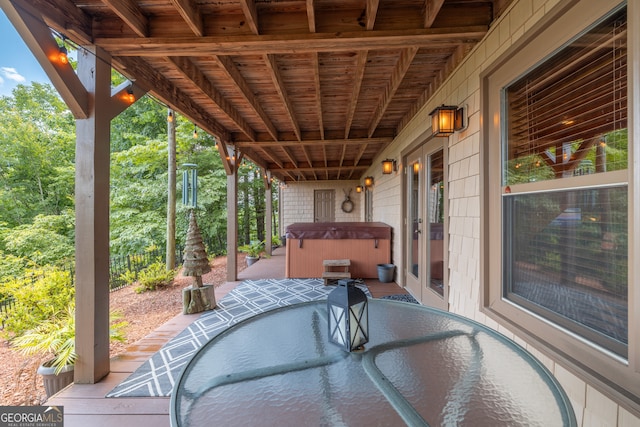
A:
(558, 204)
(566, 120)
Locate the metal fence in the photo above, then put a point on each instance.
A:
(119, 266)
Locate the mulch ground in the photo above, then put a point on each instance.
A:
(19, 383)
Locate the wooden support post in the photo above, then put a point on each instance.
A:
(171, 191)
(232, 218)
(268, 202)
(92, 219)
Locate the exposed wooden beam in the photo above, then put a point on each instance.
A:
(290, 155)
(131, 14)
(431, 10)
(279, 84)
(251, 14)
(372, 13)
(190, 12)
(402, 66)
(191, 72)
(358, 76)
(311, 16)
(322, 168)
(318, 90)
(315, 142)
(169, 94)
(358, 157)
(38, 38)
(227, 65)
(61, 15)
(293, 43)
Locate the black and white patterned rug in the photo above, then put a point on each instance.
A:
(156, 376)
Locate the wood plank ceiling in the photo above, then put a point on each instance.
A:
(307, 89)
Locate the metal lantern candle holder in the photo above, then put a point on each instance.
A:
(347, 307)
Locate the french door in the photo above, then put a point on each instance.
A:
(425, 231)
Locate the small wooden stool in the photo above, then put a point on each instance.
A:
(336, 269)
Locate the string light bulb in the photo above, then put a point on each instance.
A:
(195, 132)
(130, 97)
(215, 145)
(63, 56)
(170, 117)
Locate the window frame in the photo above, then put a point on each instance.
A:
(613, 375)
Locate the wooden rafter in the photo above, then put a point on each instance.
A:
(318, 92)
(168, 94)
(311, 16)
(406, 57)
(250, 14)
(190, 12)
(372, 13)
(131, 14)
(279, 84)
(227, 65)
(431, 10)
(315, 142)
(193, 74)
(361, 63)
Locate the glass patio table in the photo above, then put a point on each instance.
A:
(421, 367)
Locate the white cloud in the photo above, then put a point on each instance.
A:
(12, 74)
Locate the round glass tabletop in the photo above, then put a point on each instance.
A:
(420, 367)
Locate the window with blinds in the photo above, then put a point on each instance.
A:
(568, 116)
(565, 234)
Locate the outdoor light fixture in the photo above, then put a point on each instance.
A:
(63, 56)
(359, 188)
(447, 119)
(347, 308)
(130, 97)
(170, 116)
(368, 181)
(388, 166)
(195, 132)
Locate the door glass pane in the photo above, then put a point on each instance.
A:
(435, 215)
(414, 217)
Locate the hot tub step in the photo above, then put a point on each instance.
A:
(329, 269)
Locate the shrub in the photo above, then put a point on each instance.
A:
(38, 297)
(153, 276)
(57, 337)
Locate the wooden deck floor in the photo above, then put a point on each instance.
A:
(85, 405)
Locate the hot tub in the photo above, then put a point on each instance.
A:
(366, 244)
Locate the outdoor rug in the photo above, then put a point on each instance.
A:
(156, 377)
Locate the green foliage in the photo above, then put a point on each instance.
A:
(47, 241)
(154, 276)
(37, 140)
(38, 297)
(254, 249)
(56, 337)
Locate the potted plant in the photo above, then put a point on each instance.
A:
(57, 337)
(253, 251)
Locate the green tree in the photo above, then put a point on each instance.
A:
(37, 137)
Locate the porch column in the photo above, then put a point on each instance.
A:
(92, 219)
(268, 227)
(232, 211)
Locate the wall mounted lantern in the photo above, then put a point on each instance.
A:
(447, 119)
(368, 181)
(359, 189)
(347, 308)
(389, 166)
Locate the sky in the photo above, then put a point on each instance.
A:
(17, 63)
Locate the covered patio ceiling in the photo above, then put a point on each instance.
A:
(307, 89)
